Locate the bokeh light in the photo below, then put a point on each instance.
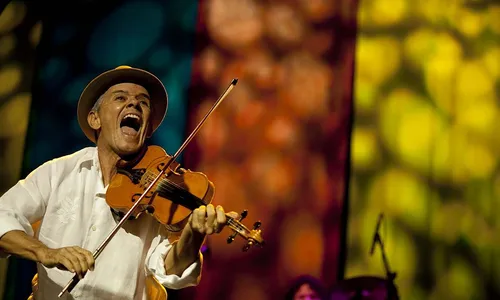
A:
(424, 147)
(7, 44)
(12, 16)
(388, 12)
(15, 98)
(13, 115)
(277, 145)
(303, 245)
(36, 34)
(10, 76)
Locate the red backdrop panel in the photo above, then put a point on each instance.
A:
(278, 145)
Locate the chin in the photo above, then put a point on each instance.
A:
(128, 148)
(131, 148)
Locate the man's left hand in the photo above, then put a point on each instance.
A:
(204, 220)
(209, 220)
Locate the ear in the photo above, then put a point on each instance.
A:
(93, 120)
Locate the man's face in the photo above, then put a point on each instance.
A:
(123, 118)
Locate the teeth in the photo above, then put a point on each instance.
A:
(131, 116)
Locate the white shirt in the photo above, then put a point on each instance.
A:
(68, 195)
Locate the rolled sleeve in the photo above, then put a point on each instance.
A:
(155, 264)
(25, 203)
(10, 222)
(18, 209)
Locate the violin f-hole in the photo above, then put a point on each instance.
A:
(160, 166)
(150, 195)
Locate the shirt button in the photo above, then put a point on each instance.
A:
(93, 228)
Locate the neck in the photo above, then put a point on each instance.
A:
(107, 160)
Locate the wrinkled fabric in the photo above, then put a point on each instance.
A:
(68, 195)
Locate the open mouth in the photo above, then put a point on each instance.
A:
(131, 124)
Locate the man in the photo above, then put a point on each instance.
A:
(117, 111)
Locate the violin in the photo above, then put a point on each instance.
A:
(154, 183)
(173, 197)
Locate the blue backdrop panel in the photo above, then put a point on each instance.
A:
(88, 38)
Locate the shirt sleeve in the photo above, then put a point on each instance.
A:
(25, 203)
(155, 264)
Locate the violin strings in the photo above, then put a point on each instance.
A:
(162, 187)
(150, 176)
(237, 225)
(230, 220)
(166, 185)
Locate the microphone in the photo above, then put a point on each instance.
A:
(375, 236)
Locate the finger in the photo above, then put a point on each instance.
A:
(211, 226)
(89, 258)
(221, 218)
(194, 220)
(233, 215)
(190, 220)
(74, 260)
(66, 264)
(78, 252)
(201, 216)
(69, 262)
(80, 261)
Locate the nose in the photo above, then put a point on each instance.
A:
(133, 102)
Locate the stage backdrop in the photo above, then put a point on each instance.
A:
(277, 146)
(426, 146)
(19, 34)
(87, 39)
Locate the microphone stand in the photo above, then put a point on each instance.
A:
(392, 293)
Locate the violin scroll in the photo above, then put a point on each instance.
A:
(253, 237)
(243, 215)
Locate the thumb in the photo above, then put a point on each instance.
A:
(233, 214)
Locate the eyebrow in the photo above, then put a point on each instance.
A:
(125, 92)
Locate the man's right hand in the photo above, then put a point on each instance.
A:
(73, 259)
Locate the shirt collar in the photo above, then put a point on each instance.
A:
(92, 158)
(95, 160)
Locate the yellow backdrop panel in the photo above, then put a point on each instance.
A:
(425, 146)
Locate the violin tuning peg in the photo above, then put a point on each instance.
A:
(230, 239)
(247, 246)
(243, 214)
(257, 225)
